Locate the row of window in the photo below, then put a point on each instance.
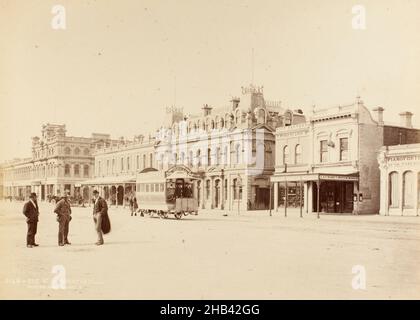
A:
(76, 170)
(125, 164)
(150, 187)
(217, 159)
(76, 151)
(323, 151)
(408, 192)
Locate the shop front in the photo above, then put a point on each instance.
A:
(319, 193)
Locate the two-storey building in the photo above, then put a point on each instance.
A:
(116, 168)
(58, 163)
(329, 163)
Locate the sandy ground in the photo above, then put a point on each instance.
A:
(209, 256)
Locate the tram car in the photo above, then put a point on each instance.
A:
(163, 193)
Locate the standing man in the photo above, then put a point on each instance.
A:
(100, 213)
(63, 211)
(31, 212)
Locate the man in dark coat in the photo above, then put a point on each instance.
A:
(63, 211)
(31, 212)
(100, 215)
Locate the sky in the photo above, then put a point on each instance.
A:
(118, 64)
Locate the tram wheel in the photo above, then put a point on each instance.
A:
(178, 215)
(165, 215)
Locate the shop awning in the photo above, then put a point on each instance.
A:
(315, 177)
(109, 180)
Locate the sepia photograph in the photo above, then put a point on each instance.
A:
(209, 150)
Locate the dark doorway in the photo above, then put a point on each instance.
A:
(120, 195)
(334, 197)
(262, 198)
(42, 192)
(217, 194)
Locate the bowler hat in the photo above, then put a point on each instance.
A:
(95, 191)
(33, 195)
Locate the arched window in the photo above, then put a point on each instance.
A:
(144, 161)
(67, 170)
(151, 160)
(182, 158)
(286, 155)
(86, 170)
(137, 162)
(161, 162)
(76, 170)
(190, 159)
(298, 154)
(175, 158)
(86, 152)
(122, 164)
(198, 158)
(67, 151)
(235, 189)
(77, 151)
(225, 156)
(99, 168)
(209, 157)
(128, 163)
(408, 188)
(238, 153)
(207, 189)
(222, 123)
(218, 156)
(393, 190)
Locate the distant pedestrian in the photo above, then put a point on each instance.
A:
(63, 211)
(100, 217)
(31, 212)
(131, 202)
(135, 206)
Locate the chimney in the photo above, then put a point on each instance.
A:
(378, 115)
(206, 110)
(235, 102)
(405, 119)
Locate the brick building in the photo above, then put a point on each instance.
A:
(329, 163)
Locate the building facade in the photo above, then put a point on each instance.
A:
(231, 149)
(400, 180)
(116, 168)
(329, 164)
(58, 163)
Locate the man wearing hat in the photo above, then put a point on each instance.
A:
(31, 212)
(100, 212)
(63, 211)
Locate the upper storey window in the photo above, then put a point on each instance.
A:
(344, 149)
(323, 151)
